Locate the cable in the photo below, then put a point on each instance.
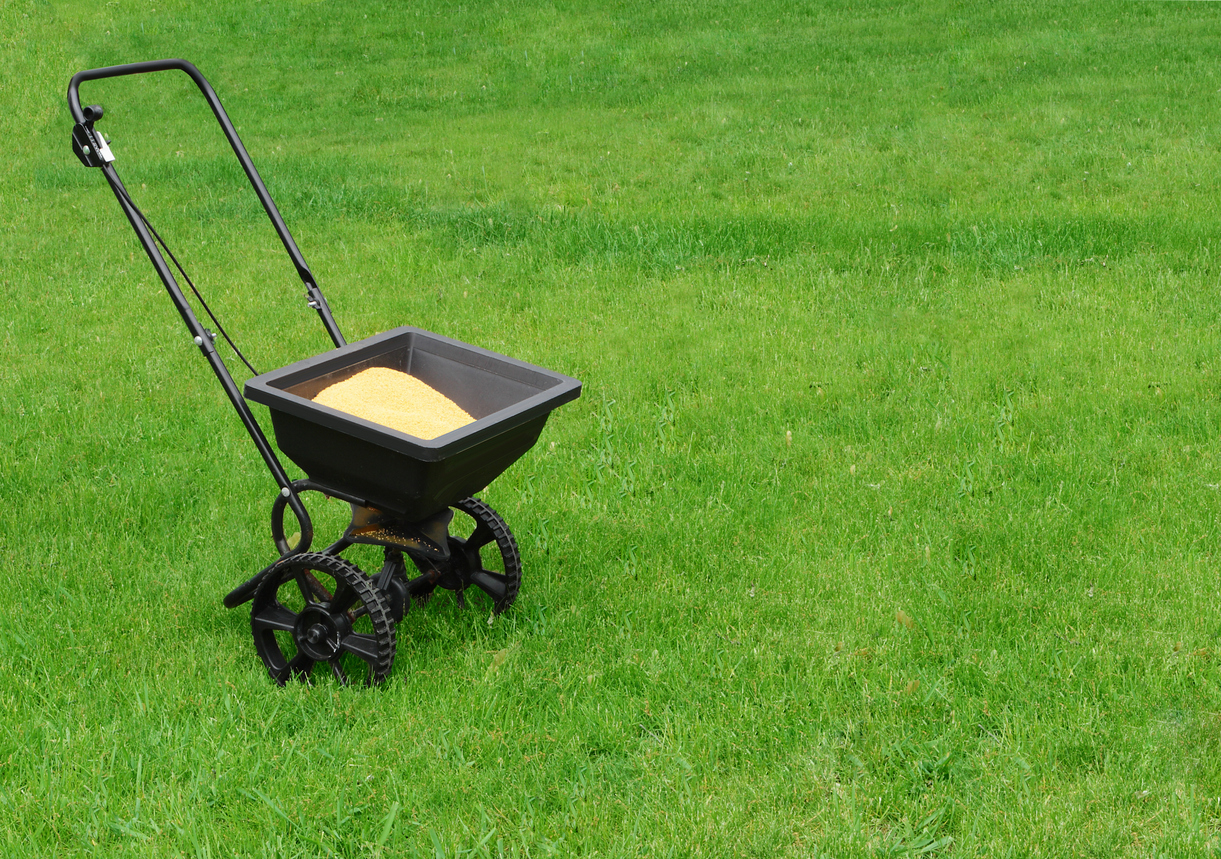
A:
(122, 192)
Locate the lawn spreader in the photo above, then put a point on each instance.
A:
(409, 496)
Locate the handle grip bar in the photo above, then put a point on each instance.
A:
(86, 116)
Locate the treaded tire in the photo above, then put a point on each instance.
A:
(322, 608)
(465, 568)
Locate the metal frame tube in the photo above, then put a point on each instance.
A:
(294, 253)
(201, 336)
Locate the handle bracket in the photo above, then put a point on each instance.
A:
(89, 144)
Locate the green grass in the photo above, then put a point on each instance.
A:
(887, 522)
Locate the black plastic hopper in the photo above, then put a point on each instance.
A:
(509, 399)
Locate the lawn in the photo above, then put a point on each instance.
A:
(886, 523)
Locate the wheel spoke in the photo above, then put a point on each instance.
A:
(304, 586)
(480, 537)
(311, 589)
(275, 616)
(345, 596)
(494, 585)
(297, 669)
(360, 645)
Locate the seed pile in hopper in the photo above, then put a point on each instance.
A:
(396, 400)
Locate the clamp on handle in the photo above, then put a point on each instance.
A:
(89, 144)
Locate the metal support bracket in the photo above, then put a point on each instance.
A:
(427, 539)
(89, 144)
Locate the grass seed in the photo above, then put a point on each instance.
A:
(397, 400)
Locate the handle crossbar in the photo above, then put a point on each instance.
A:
(81, 117)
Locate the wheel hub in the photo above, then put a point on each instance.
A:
(318, 633)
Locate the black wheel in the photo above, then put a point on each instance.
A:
(316, 608)
(484, 564)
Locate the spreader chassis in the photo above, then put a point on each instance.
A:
(311, 607)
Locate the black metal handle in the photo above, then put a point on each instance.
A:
(87, 115)
(85, 136)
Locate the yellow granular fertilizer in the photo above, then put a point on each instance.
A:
(396, 400)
